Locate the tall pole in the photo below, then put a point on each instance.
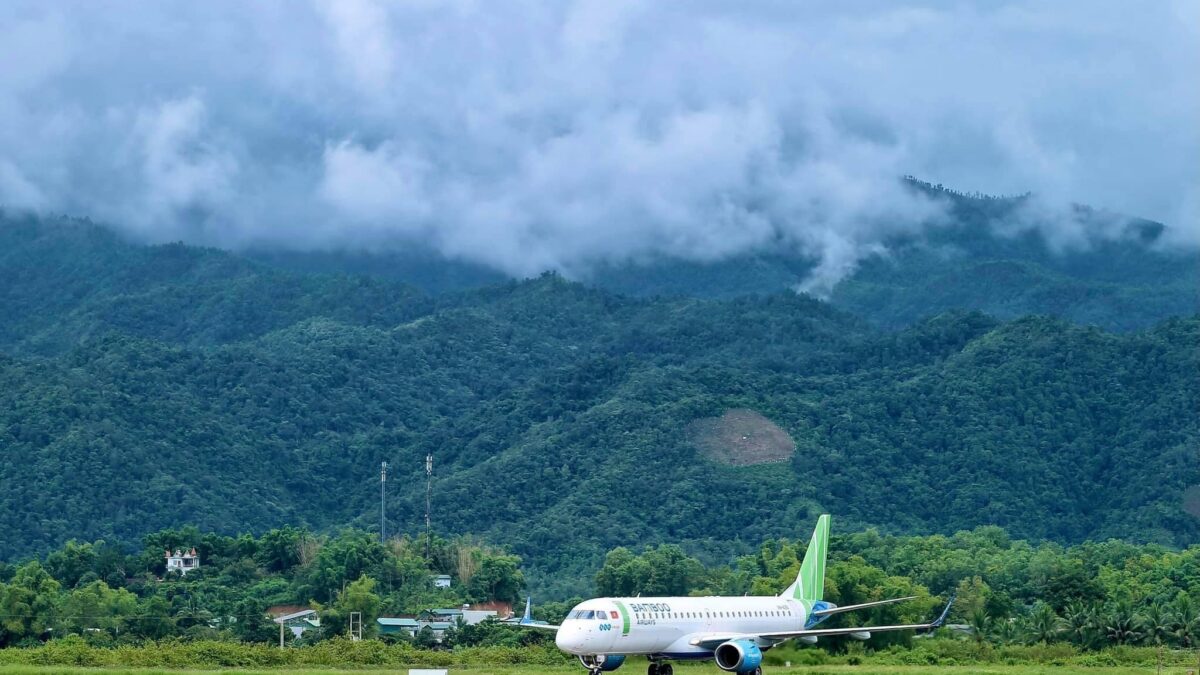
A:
(428, 499)
(383, 503)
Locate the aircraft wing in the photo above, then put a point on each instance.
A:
(539, 626)
(850, 608)
(713, 640)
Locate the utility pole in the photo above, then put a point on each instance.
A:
(383, 503)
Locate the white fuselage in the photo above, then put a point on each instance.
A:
(665, 626)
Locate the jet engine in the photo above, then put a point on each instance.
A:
(605, 662)
(738, 656)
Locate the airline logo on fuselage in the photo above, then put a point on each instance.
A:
(650, 607)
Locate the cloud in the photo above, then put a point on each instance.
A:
(529, 136)
(373, 185)
(16, 190)
(182, 174)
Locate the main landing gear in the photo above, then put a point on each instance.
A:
(660, 669)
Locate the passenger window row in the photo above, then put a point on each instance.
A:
(707, 615)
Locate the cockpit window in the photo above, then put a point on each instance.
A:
(582, 614)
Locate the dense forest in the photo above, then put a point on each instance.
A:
(1089, 596)
(146, 387)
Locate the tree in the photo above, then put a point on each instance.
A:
(96, 607)
(279, 550)
(1080, 624)
(342, 560)
(359, 596)
(425, 638)
(1187, 621)
(1157, 626)
(28, 604)
(1042, 624)
(1122, 625)
(499, 577)
(69, 563)
(153, 620)
(981, 625)
(623, 574)
(252, 623)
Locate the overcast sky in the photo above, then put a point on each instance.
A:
(546, 134)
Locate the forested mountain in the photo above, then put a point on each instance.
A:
(1006, 257)
(147, 387)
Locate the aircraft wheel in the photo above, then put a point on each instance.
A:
(653, 669)
(666, 669)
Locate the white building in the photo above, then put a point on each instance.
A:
(182, 561)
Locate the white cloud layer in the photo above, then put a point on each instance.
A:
(529, 135)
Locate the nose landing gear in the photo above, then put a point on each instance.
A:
(660, 669)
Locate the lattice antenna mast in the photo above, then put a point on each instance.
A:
(383, 503)
(428, 501)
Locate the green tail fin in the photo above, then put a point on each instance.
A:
(810, 583)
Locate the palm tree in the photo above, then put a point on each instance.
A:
(1042, 625)
(1187, 620)
(1006, 631)
(1122, 624)
(1080, 623)
(1187, 624)
(1158, 624)
(981, 625)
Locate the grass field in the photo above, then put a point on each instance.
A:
(637, 669)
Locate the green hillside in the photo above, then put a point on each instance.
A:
(147, 387)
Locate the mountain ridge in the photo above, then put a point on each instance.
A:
(558, 413)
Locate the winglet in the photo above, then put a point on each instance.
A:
(528, 618)
(937, 623)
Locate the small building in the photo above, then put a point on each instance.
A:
(475, 616)
(439, 628)
(448, 615)
(299, 622)
(182, 561)
(468, 615)
(397, 625)
(440, 580)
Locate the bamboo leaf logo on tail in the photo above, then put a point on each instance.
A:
(810, 583)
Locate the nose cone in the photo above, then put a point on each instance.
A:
(569, 638)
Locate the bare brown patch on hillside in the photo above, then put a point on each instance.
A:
(741, 438)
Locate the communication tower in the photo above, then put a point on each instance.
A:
(383, 503)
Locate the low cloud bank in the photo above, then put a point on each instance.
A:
(559, 136)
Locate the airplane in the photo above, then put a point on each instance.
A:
(732, 631)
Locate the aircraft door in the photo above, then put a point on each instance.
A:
(610, 626)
